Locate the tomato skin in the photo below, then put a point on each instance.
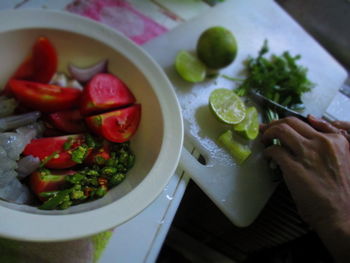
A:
(116, 126)
(69, 121)
(44, 60)
(42, 182)
(44, 97)
(45, 147)
(39, 66)
(105, 92)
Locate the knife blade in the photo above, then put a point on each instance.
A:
(270, 104)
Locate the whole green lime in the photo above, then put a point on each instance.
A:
(217, 47)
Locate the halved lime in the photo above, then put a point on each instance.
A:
(249, 127)
(189, 67)
(227, 106)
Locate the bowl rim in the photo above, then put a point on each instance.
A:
(26, 226)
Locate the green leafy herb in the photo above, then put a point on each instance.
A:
(279, 78)
(232, 78)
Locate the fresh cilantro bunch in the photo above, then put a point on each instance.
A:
(278, 78)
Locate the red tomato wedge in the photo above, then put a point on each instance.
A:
(39, 66)
(54, 150)
(45, 181)
(105, 92)
(44, 97)
(116, 126)
(69, 121)
(44, 60)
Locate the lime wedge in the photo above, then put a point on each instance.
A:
(237, 150)
(249, 127)
(227, 106)
(189, 67)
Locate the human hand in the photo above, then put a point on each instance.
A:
(315, 166)
(315, 162)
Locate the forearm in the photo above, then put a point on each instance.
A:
(336, 237)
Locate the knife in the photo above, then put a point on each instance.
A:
(285, 112)
(270, 104)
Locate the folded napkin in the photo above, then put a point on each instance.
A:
(121, 16)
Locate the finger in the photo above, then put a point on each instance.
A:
(262, 127)
(321, 125)
(298, 125)
(342, 125)
(339, 127)
(291, 168)
(287, 136)
(281, 157)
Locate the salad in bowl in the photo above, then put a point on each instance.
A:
(70, 134)
(90, 128)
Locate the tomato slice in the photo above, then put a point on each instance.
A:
(69, 121)
(45, 181)
(44, 97)
(39, 66)
(116, 126)
(54, 150)
(44, 60)
(104, 92)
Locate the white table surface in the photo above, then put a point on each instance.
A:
(141, 238)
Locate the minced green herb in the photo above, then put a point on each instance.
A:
(48, 158)
(92, 142)
(93, 181)
(68, 144)
(279, 78)
(79, 154)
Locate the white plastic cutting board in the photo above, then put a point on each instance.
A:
(240, 191)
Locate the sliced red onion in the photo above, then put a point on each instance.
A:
(27, 165)
(13, 122)
(85, 74)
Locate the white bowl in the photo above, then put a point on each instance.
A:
(157, 143)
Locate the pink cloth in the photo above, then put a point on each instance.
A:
(121, 16)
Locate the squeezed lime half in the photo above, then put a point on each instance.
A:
(189, 67)
(227, 106)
